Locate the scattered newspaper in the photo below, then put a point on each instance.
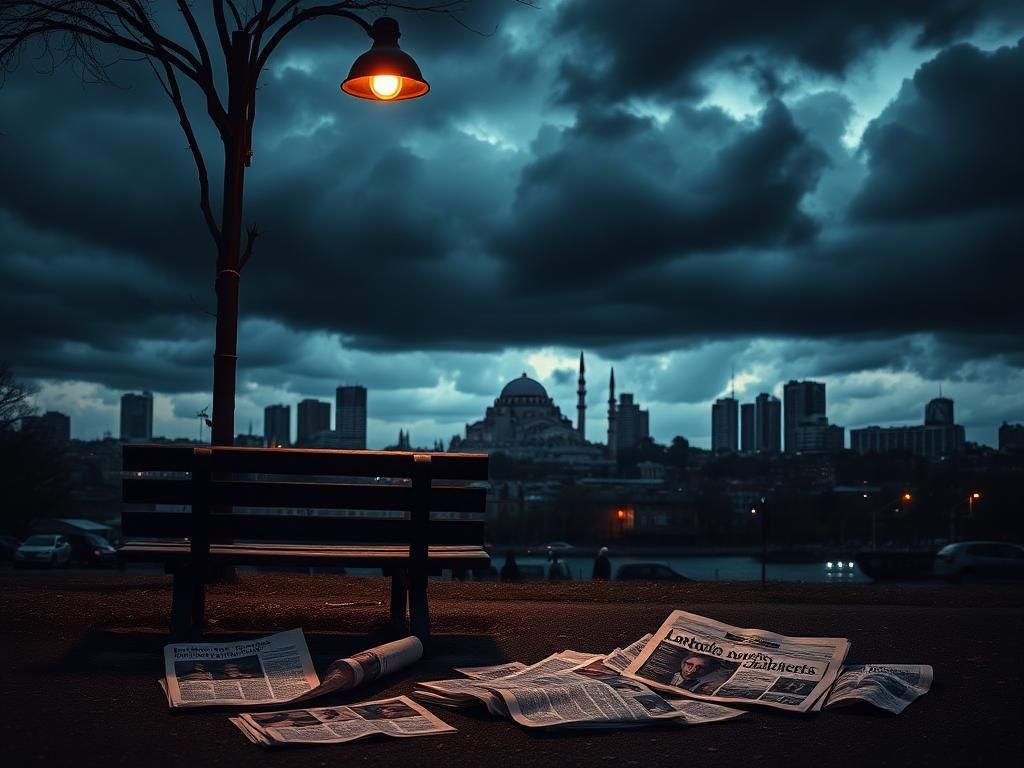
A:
(697, 657)
(270, 670)
(891, 687)
(569, 690)
(398, 717)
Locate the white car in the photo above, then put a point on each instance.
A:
(43, 549)
(983, 559)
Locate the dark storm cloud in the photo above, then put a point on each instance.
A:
(613, 197)
(952, 142)
(490, 216)
(644, 49)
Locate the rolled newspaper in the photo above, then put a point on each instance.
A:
(348, 673)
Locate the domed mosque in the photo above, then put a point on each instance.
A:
(524, 423)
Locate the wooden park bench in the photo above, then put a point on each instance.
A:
(410, 514)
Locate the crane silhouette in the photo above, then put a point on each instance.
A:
(204, 416)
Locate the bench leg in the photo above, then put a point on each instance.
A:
(188, 603)
(399, 596)
(419, 613)
(182, 609)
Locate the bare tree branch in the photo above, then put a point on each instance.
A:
(251, 234)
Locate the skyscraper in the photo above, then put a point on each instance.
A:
(313, 416)
(804, 402)
(724, 424)
(633, 425)
(350, 417)
(747, 444)
(277, 425)
(767, 424)
(581, 400)
(136, 417)
(612, 427)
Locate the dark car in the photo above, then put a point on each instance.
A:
(648, 572)
(980, 559)
(91, 549)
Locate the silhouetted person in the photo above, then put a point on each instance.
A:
(510, 570)
(557, 570)
(602, 565)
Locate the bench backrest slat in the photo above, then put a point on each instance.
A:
(273, 494)
(292, 461)
(256, 527)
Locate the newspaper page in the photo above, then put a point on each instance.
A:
(270, 670)
(565, 690)
(697, 657)
(891, 687)
(399, 717)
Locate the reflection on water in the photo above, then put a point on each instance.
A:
(709, 568)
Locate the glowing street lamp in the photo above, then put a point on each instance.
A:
(385, 72)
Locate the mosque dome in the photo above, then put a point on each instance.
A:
(524, 386)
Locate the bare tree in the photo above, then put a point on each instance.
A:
(14, 398)
(86, 33)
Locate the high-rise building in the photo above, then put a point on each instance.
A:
(313, 416)
(938, 436)
(747, 444)
(52, 425)
(939, 412)
(804, 402)
(136, 417)
(581, 400)
(725, 425)
(350, 417)
(633, 424)
(277, 425)
(819, 436)
(1011, 438)
(767, 424)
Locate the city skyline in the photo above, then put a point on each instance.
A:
(714, 190)
(378, 436)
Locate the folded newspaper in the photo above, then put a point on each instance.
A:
(569, 690)
(891, 687)
(270, 670)
(398, 717)
(697, 657)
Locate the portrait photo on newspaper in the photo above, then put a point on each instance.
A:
(694, 656)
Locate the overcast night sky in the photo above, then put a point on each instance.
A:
(800, 190)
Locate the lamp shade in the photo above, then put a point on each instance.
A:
(385, 72)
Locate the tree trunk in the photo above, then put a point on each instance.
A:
(225, 354)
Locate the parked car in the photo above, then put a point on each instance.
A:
(43, 549)
(8, 545)
(984, 559)
(648, 572)
(91, 549)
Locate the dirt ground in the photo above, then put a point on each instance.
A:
(81, 654)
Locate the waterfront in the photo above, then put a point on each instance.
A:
(706, 568)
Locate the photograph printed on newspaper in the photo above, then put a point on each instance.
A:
(697, 657)
(398, 717)
(891, 687)
(269, 670)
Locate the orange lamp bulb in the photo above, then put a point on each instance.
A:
(386, 87)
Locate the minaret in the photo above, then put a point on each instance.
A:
(612, 430)
(581, 401)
